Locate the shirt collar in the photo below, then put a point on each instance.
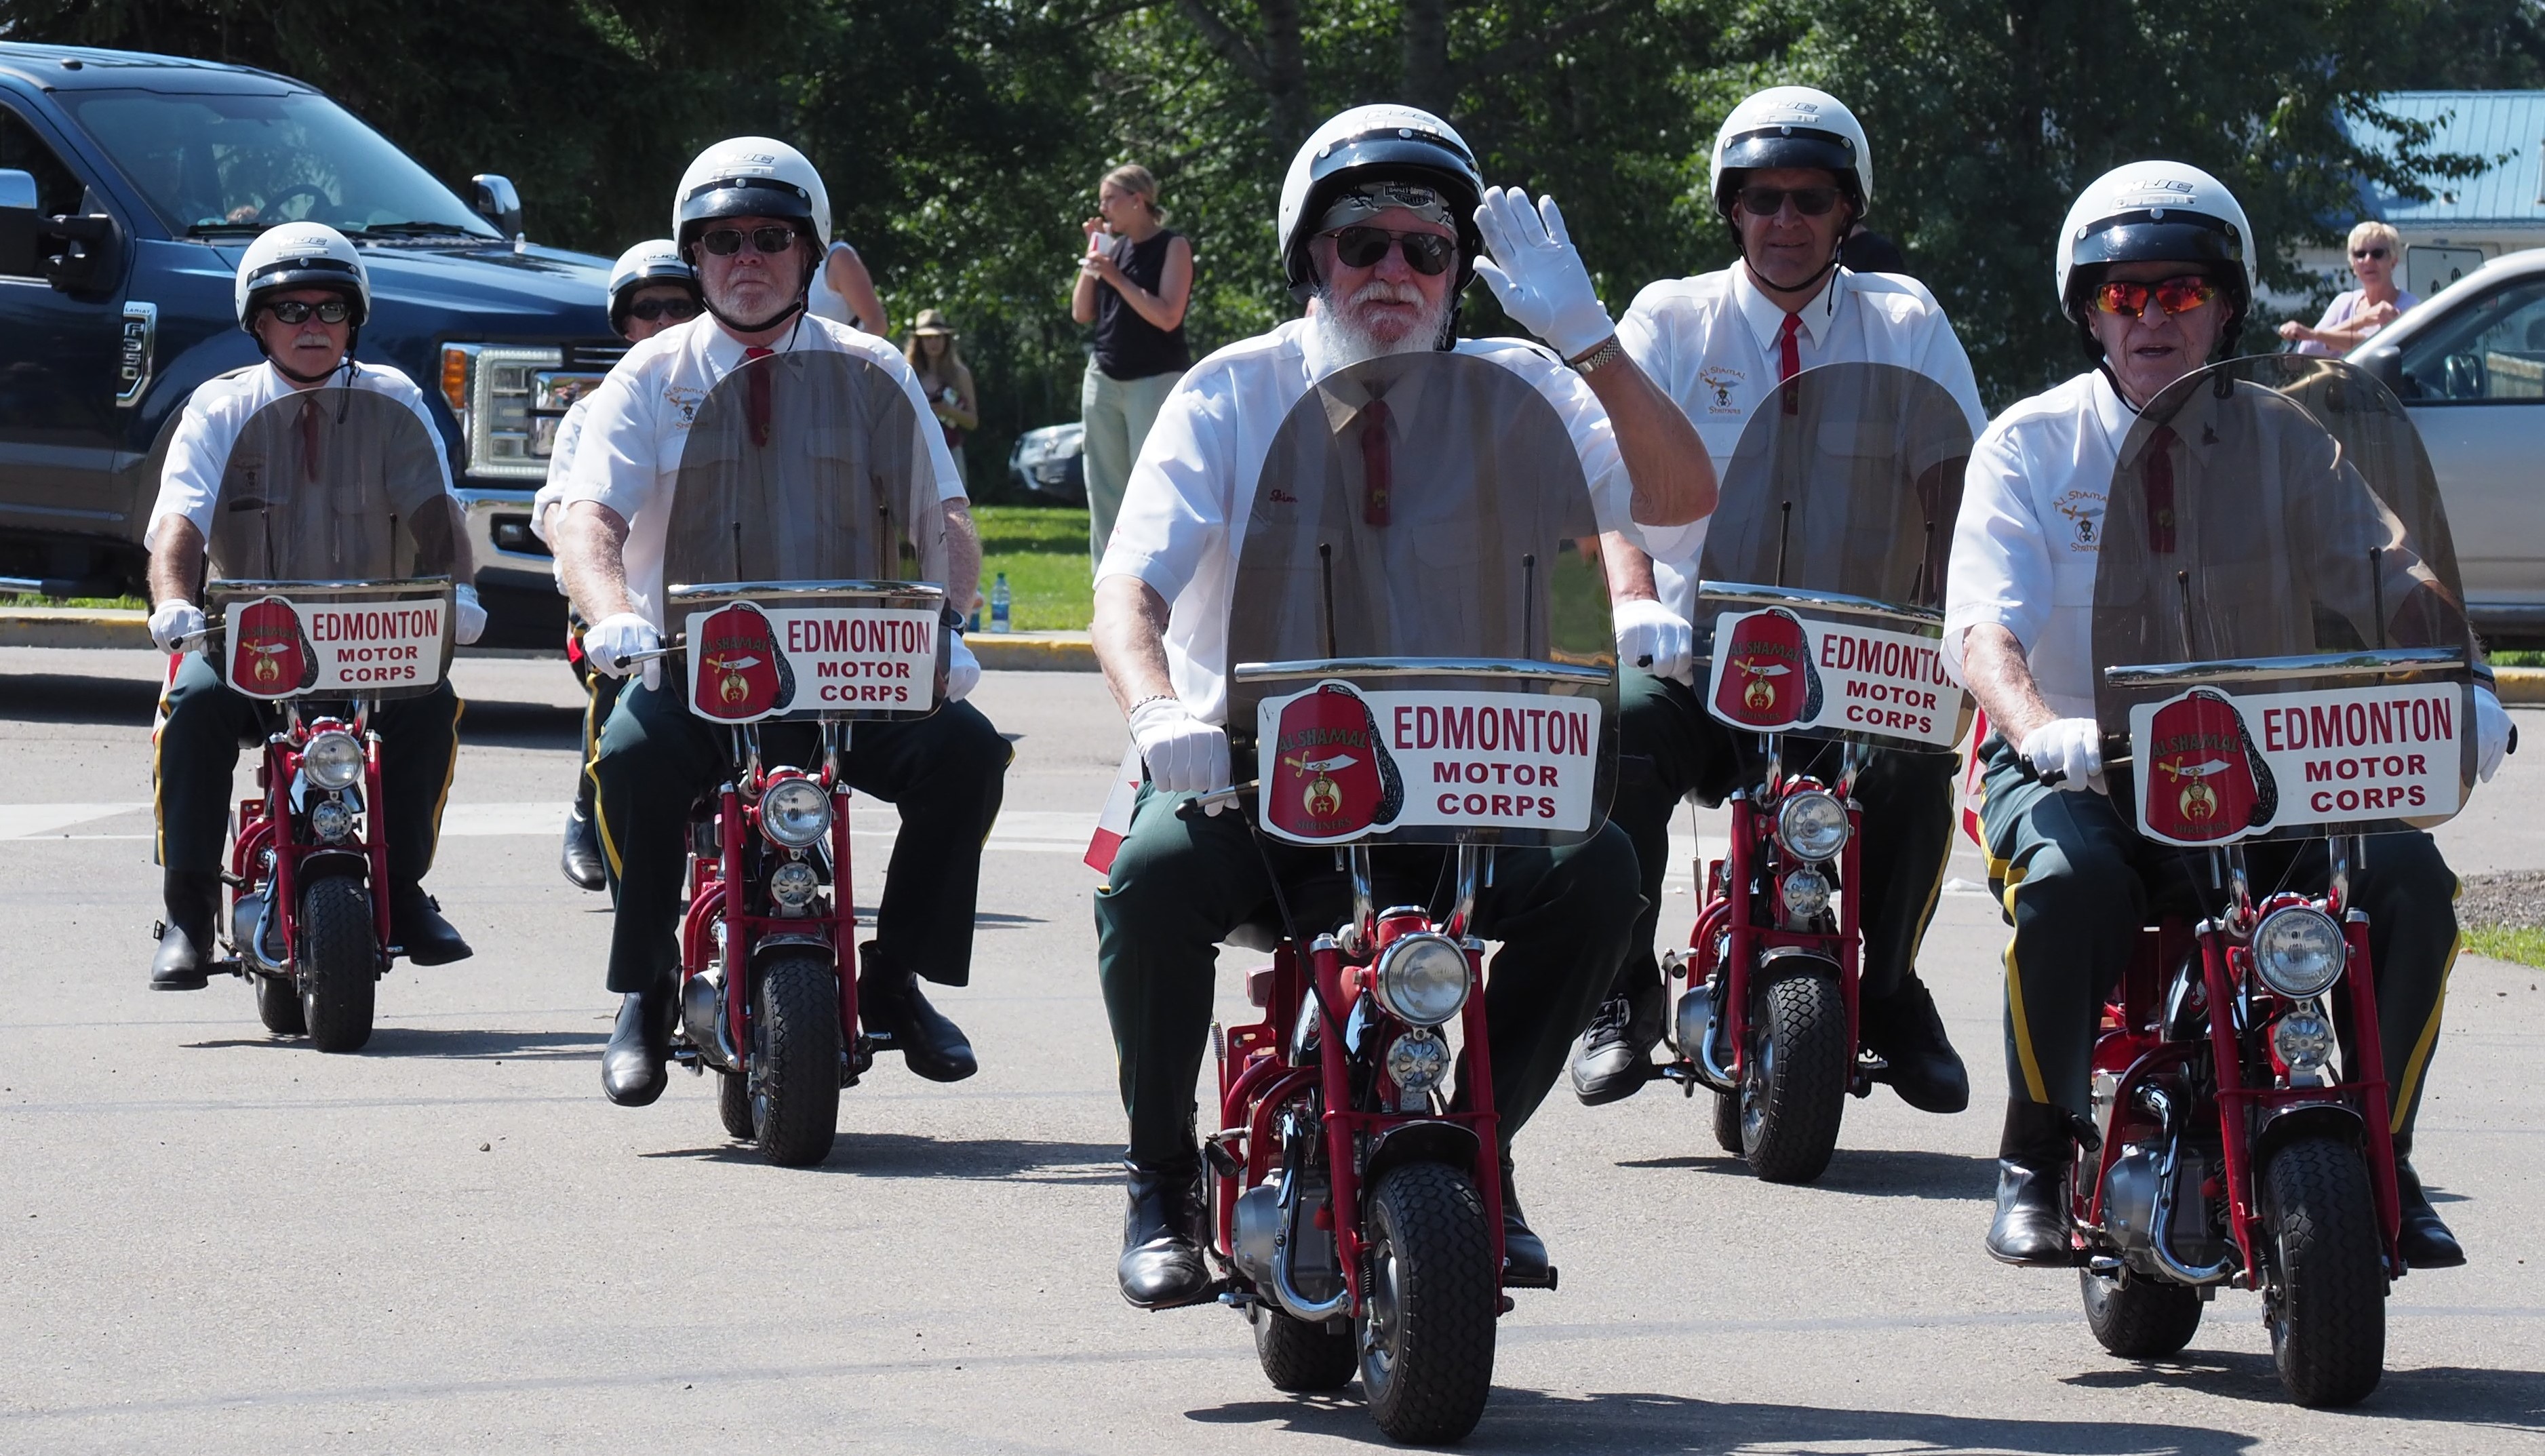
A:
(2110, 410)
(1404, 396)
(1767, 317)
(723, 352)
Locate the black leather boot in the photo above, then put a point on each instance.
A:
(1615, 1057)
(581, 857)
(1523, 1252)
(633, 1070)
(417, 929)
(2424, 1241)
(1904, 1031)
(192, 898)
(892, 1012)
(2035, 1158)
(1162, 1263)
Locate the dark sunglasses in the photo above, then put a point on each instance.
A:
(674, 309)
(297, 312)
(1367, 247)
(1765, 202)
(2173, 296)
(724, 242)
(2379, 253)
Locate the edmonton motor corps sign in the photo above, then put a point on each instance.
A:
(2217, 768)
(280, 648)
(1335, 763)
(1774, 672)
(748, 663)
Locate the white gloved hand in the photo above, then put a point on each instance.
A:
(1653, 637)
(610, 641)
(469, 618)
(2066, 752)
(962, 668)
(1184, 755)
(1536, 273)
(2490, 733)
(173, 620)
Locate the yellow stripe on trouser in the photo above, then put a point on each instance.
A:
(2032, 1083)
(458, 709)
(2429, 1037)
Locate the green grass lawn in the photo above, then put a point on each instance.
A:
(2507, 943)
(134, 604)
(1044, 551)
(2519, 659)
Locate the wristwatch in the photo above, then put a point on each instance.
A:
(1598, 358)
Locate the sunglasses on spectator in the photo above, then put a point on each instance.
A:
(2173, 296)
(2378, 253)
(1367, 247)
(724, 242)
(297, 311)
(1766, 201)
(674, 309)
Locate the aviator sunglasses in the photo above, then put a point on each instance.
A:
(674, 309)
(724, 242)
(1765, 202)
(2173, 296)
(1367, 247)
(297, 311)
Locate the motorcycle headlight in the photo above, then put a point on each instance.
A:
(1812, 825)
(795, 812)
(2304, 1041)
(1418, 1061)
(1422, 979)
(332, 759)
(2298, 951)
(792, 884)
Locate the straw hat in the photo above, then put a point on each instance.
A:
(931, 321)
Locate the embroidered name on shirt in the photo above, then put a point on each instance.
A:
(2085, 512)
(1722, 380)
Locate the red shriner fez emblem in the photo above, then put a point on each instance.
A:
(1326, 773)
(2206, 782)
(1769, 682)
(738, 673)
(270, 657)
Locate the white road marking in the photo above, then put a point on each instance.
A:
(33, 820)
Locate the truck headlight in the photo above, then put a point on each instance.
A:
(2298, 951)
(332, 761)
(795, 812)
(1812, 825)
(1422, 979)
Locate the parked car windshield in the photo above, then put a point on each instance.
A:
(212, 164)
(2490, 350)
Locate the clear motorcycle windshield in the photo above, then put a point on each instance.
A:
(2275, 507)
(806, 466)
(1421, 506)
(333, 485)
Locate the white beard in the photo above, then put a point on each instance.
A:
(1341, 342)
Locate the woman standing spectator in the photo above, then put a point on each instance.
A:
(946, 380)
(2377, 251)
(1134, 283)
(843, 293)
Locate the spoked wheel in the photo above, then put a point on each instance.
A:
(2325, 1304)
(2143, 1319)
(1299, 1355)
(733, 1104)
(1794, 1088)
(339, 963)
(1427, 1328)
(278, 1006)
(794, 1077)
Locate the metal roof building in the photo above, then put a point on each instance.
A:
(2468, 220)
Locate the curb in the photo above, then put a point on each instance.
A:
(1043, 652)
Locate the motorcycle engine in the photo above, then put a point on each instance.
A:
(1314, 1273)
(703, 1017)
(2129, 1205)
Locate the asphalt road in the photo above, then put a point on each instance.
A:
(211, 1241)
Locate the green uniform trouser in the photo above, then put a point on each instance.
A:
(1671, 747)
(1178, 886)
(198, 749)
(945, 774)
(2076, 879)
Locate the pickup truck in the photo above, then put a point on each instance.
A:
(130, 184)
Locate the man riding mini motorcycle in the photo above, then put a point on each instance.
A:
(1379, 231)
(2157, 270)
(651, 288)
(1791, 173)
(752, 218)
(302, 295)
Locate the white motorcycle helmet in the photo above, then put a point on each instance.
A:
(654, 261)
(752, 177)
(301, 255)
(2156, 212)
(1791, 126)
(1377, 143)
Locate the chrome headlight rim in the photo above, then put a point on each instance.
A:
(333, 760)
(1819, 843)
(1411, 979)
(794, 813)
(2275, 959)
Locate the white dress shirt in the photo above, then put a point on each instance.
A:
(569, 432)
(198, 453)
(1184, 515)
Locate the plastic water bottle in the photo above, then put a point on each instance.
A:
(999, 600)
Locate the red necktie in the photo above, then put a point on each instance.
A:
(2157, 470)
(309, 438)
(1377, 467)
(757, 396)
(1790, 358)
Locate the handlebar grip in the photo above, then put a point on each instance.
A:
(1218, 800)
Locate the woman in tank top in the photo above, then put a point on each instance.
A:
(1134, 283)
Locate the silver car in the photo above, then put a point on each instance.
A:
(2470, 367)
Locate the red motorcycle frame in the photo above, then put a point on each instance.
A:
(284, 852)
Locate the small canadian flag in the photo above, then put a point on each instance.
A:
(1115, 821)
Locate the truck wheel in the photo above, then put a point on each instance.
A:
(1794, 1089)
(339, 963)
(794, 1073)
(2325, 1304)
(1427, 1326)
(733, 1104)
(2142, 1320)
(1299, 1355)
(278, 1006)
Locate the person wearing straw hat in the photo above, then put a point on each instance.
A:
(946, 380)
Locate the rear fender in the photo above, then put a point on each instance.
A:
(1450, 1142)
